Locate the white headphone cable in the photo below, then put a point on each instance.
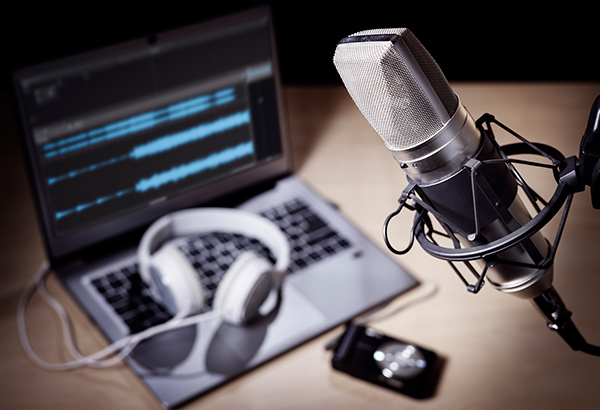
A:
(373, 316)
(121, 347)
(379, 314)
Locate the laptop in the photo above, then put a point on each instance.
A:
(117, 137)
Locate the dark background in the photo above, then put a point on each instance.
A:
(479, 41)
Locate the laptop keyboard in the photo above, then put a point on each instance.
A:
(310, 238)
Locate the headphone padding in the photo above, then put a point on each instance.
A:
(178, 276)
(244, 287)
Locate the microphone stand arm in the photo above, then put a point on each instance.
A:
(586, 171)
(552, 307)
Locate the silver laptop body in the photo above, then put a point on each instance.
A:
(118, 137)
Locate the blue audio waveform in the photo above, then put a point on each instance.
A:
(166, 143)
(193, 134)
(139, 122)
(172, 175)
(185, 170)
(101, 200)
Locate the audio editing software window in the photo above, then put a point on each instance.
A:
(119, 132)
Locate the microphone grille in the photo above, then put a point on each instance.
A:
(396, 84)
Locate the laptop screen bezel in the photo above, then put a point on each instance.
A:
(60, 247)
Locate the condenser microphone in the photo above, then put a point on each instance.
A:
(406, 98)
(404, 95)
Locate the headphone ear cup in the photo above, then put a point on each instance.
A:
(176, 282)
(244, 288)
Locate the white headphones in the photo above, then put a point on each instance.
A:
(243, 288)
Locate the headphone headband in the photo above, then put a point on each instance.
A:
(194, 221)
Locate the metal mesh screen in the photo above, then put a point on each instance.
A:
(388, 93)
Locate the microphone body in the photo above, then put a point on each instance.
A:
(404, 95)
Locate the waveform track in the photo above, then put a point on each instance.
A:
(139, 122)
(93, 167)
(166, 143)
(183, 171)
(172, 175)
(101, 200)
(193, 134)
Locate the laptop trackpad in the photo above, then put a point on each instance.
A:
(234, 348)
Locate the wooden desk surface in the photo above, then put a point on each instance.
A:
(498, 350)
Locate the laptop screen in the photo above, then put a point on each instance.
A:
(122, 135)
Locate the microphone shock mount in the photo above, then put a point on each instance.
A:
(571, 174)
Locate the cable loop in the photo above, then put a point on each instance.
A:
(406, 194)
